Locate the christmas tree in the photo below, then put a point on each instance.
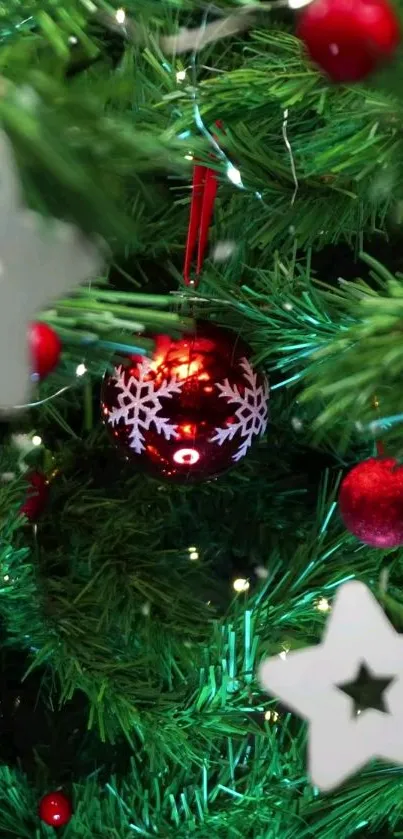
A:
(200, 582)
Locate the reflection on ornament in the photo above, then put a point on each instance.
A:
(192, 410)
(186, 456)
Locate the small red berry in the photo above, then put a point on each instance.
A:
(55, 809)
(348, 38)
(45, 348)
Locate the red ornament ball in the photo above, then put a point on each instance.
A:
(36, 497)
(371, 502)
(45, 348)
(55, 809)
(348, 38)
(192, 410)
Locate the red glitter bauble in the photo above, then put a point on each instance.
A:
(45, 348)
(348, 38)
(55, 809)
(36, 497)
(371, 502)
(192, 410)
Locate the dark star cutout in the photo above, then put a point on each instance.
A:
(366, 690)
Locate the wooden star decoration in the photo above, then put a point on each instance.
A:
(39, 261)
(360, 660)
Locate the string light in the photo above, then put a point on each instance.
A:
(261, 572)
(323, 605)
(234, 175)
(181, 76)
(291, 156)
(193, 554)
(120, 16)
(271, 716)
(81, 369)
(42, 401)
(36, 440)
(240, 584)
(298, 4)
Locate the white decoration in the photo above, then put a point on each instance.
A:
(140, 404)
(251, 413)
(313, 682)
(39, 261)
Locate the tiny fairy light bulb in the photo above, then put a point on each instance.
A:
(81, 369)
(240, 584)
(298, 4)
(323, 605)
(181, 76)
(120, 16)
(271, 716)
(193, 554)
(234, 175)
(36, 440)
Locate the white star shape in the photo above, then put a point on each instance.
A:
(340, 743)
(39, 261)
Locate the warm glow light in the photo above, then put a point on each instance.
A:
(240, 584)
(323, 605)
(120, 15)
(183, 371)
(234, 175)
(193, 555)
(186, 457)
(187, 430)
(181, 76)
(283, 655)
(271, 716)
(81, 369)
(36, 440)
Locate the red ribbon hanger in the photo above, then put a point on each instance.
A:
(204, 190)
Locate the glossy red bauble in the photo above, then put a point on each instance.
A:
(348, 38)
(192, 410)
(45, 348)
(371, 502)
(36, 496)
(55, 809)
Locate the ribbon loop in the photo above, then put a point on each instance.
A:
(204, 189)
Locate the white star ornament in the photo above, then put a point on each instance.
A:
(343, 739)
(39, 261)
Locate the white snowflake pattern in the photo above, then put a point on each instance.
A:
(251, 415)
(139, 404)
